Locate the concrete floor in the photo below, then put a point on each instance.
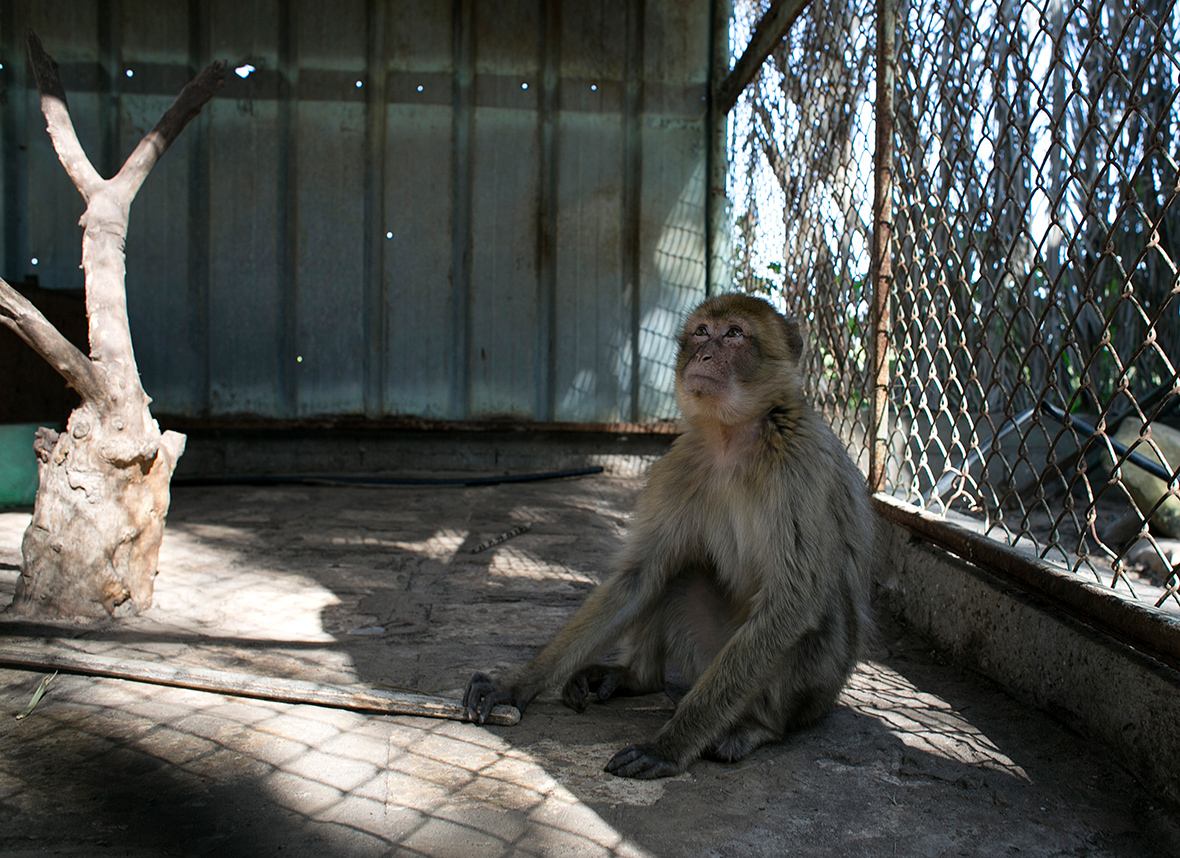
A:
(353, 585)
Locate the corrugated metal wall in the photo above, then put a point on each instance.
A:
(451, 209)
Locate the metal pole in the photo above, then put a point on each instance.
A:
(880, 266)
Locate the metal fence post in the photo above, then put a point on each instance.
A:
(880, 266)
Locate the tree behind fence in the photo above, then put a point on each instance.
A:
(1035, 245)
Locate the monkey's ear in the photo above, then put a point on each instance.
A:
(793, 336)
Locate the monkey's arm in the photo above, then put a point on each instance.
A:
(607, 613)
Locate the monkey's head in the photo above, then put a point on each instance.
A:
(739, 357)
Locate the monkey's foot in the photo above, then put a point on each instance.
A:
(639, 761)
(738, 744)
(601, 680)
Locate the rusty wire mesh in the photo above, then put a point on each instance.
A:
(801, 187)
(1034, 321)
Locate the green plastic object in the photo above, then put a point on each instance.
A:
(18, 464)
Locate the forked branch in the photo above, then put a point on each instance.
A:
(57, 121)
(155, 143)
(19, 314)
(93, 544)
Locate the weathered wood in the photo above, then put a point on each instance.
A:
(18, 313)
(57, 120)
(357, 698)
(98, 518)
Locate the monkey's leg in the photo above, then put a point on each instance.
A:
(812, 675)
(699, 621)
(816, 669)
(794, 689)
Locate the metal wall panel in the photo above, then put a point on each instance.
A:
(592, 322)
(420, 351)
(504, 209)
(247, 194)
(504, 219)
(166, 240)
(329, 147)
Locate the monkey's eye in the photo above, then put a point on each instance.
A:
(701, 331)
(734, 331)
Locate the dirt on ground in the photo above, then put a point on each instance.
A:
(378, 586)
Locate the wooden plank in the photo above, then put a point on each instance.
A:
(357, 698)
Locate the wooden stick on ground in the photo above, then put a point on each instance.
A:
(245, 685)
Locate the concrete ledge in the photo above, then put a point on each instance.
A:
(1099, 687)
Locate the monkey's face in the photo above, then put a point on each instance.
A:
(716, 352)
(737, 353)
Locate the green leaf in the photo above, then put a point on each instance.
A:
(37, 695)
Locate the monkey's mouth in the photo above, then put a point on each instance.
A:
(700, 382)
(706, 391)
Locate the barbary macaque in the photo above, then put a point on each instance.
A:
(743, 587)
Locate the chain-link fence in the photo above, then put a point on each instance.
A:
(1033, 299)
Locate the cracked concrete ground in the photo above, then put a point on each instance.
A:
(378, 586)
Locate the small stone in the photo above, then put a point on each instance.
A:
(1159, 556)
(371, 631)
(1144, 488)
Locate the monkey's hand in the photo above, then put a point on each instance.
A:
(482, 694)
(601, 680)
(643, 762)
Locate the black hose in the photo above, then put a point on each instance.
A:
(382, 481)
(1137, 459)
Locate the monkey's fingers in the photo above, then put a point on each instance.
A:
(576, 691)
(481, 696)
(601, 680)
(638, 761)
(610, 684)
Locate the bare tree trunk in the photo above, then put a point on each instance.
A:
(92, 546)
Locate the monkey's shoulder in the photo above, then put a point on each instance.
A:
(805, 464)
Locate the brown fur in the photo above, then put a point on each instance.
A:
(747, 567)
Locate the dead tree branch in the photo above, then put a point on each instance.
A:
(99, 516)
(188, 104)
(57, 121)
(19, 314)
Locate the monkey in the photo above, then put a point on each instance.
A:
(742, 588)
